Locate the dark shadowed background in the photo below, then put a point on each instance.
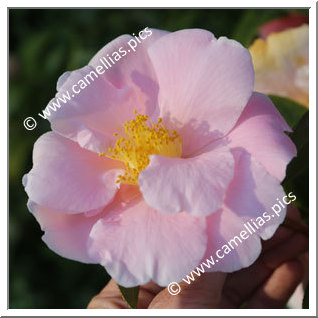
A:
(42, 45)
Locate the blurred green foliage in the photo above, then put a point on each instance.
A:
(297, 174)
(290, 110)
(44, 43)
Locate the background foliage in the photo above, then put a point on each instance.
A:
(42, 45)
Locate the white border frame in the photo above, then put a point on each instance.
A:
(312, 160)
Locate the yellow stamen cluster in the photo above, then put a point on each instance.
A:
(142, 138)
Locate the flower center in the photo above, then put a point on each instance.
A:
(142, 138)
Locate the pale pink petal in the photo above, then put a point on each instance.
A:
(196, 185)
(260, 130)
(91, 117)
(67, 235)
(254, 191)
(234, 231)
(204, 84)
(137, 244)
(228, 250)
(134, 69)
(68, 178)
(100, 109)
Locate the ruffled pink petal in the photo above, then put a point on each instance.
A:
(229, 256)
(101, 108)
(260, 130)
(91, 117)
(254, 191)
(68, 178)
(196, 185)
(134, 69)
(67, 235)
(234, 231)
(204, 83)
(137, 244)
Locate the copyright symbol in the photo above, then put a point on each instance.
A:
(29, 123)
(174, 288)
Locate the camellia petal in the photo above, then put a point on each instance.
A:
(68, 178)
(65, 234)
(196, 185)
(260, 131)
(91, 117)
(134, 69)
(137, 244)
(106, 98)
(254, 191)
(234, 231)
(204, 83)
(229, 251)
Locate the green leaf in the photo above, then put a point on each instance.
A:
(300, 135)
(130, 295)
(297, 174)
(250, 22)
(306, 298)
(290, 110)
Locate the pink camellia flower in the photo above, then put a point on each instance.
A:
(161, 160)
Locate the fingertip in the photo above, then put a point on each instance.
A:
(295, 268)
(276, 291)
(204, 292)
